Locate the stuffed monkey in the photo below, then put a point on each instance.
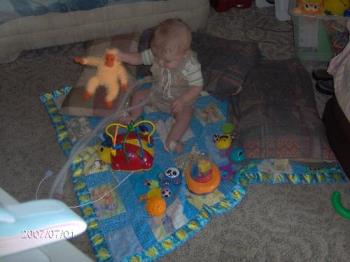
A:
(110, 73)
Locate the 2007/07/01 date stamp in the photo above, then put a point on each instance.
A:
(47, 234)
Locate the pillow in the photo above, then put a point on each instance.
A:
(225, 63)
(276, 114)
(74, 104)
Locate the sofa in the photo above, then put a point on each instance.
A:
(54, 25)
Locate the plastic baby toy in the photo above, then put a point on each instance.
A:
(133, 149)
(202, 176)
(155, 204)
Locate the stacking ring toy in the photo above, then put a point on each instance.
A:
(206, 186)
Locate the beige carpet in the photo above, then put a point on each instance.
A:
(273, 223)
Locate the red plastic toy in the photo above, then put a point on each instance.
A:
(132, 150)
(224, 5)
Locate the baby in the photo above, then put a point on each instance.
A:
(177, 78)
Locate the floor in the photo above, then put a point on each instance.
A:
(28, 149)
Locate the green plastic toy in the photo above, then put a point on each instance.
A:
(337, 205)
(227, 128)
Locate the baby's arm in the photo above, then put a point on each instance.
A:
(143, 58)
(193, 75)
(186, 98)
(131, 58)
(191, 95)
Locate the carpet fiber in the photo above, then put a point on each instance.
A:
(272, 223)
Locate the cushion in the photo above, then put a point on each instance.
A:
(225, 63)
(74, 104)
(338, 132)
(276, 114)
(337, 32)
(11, 9)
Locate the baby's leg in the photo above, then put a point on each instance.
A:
(139, 97)
(182, 121)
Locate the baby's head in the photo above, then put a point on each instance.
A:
(171, 42)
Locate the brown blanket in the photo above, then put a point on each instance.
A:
(276, 114)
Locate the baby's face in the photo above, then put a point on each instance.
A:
(169, 61)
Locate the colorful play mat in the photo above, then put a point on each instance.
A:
(119, 227)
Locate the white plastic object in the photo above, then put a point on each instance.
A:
(281, 10)
(37, 223)
(6, 217)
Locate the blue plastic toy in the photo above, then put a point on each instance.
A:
(237, 155)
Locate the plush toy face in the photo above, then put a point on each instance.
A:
(109, 59)
(311, 6)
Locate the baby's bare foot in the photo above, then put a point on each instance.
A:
(174, 146)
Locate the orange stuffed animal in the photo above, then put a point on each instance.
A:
(110, 73)
(309, 7)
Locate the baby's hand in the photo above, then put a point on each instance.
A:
(177, 106)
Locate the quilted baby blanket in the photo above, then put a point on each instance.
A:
(113, 202)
